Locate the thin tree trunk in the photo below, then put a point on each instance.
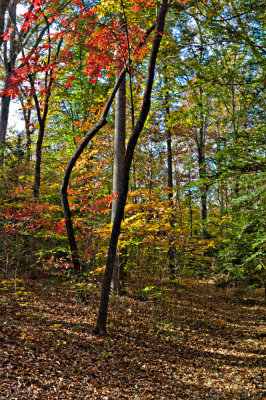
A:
(171, 250)
(190, 206)
(37, 174)
(100, 328)
(235, 136)
(204, 213)
(202, 169)
(42, 121)
(27, 117)
(5, 103)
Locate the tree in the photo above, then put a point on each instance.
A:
(102, 314)
(119, 160)
(42, 114)
(9, 59)
(87, 139)
(16, 41)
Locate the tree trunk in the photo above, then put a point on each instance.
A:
(190, 205)
(119, 142)
(118, 170)
(29, 132)
(203, 198)
(37, 174)
(171, 249)
(100, 328)
(42, 122)
(5, 103)
(202, 168)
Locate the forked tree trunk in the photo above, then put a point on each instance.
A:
(100, 328)
(90, 135)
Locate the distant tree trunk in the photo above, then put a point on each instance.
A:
(29, 132)
(190, 205)
(38, 155)
(202, 167)
(235, 134)
(200, 140)
(171, 250)
(100, 328)
(118, 171)
(221, 186)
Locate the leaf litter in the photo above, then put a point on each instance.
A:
(199, 344)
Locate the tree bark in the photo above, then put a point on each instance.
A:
(100, 328)
(119, 142)
(118, 169)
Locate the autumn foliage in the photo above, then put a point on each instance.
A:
(207, 99)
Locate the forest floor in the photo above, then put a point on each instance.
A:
(196, 343)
